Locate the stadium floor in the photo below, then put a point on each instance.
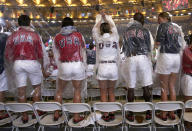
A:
(90, 129)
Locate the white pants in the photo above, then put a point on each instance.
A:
(186, 83)
(3, 82)
(27, 69)
(137, 71)
(107, 71)
(71, 71)
(168, 63)
(90, 70)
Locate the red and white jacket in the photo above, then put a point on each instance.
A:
(24, 44)
(187, 61)
(69, 44)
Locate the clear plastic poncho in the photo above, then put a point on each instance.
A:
(68, 91)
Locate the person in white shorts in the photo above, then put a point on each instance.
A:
(186, 81)
(168, 64)
(137, 68)
(3, 77)
(69, 52)
(107, 52)
(24, 50)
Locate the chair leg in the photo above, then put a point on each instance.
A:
(99, 128)
(39, 128)
(178, 127)
(13, 128)
(183, 127)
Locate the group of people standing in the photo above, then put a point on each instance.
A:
(25, 51)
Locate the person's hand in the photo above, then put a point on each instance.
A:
(103, 15)
(45, 73)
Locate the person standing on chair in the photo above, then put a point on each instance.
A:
(137, 68)
(24, 52)
(169, 38)
(3, 75)
(70, 54)
(107, 55)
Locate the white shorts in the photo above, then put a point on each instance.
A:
(168, 63)
(71, 71)
(186, 83)
(27, 69)
(3, 82)
(90, 70)
(107, 71)
(137, 71)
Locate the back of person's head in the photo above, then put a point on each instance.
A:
(91, 46)
(105, 28)
(67, 22)
(24, 20)
(190, 39)
(166, 15)
(139, 17)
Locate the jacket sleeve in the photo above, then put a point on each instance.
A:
(161, 33)
(39, 49)
(9, 49)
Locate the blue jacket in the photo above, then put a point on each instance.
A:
(168, 35)
(3, 38)
(136, 40)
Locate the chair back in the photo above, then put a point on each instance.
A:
(138, 106)
(107, 106)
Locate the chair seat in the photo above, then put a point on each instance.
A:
(135, 123)
(169, 122)
(6, 120)
(48, 120)
(118, 120)
(83, 123)
(188, 116)
(19, 123)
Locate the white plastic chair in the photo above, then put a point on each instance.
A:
(6, 120)
(77, 108)
(138, 107)
(20, 108)
(169, 106)
(109, 107)
(187, 115)
(48, 119)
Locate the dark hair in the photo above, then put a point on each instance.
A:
(105, 28)
(166, 15)
(67, 22)
(91, 46)
(190, 39)
(139, 17)
(24, 20)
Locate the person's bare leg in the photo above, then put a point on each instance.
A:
(164, 83)
(59, 91)
(103, 92)
(111, 88)
(37, 93)
(22, 99)
(1, 96)
(172, 81)
(77, 95)
(1, 100)
(59, 95)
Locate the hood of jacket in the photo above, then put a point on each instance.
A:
(68, 30)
